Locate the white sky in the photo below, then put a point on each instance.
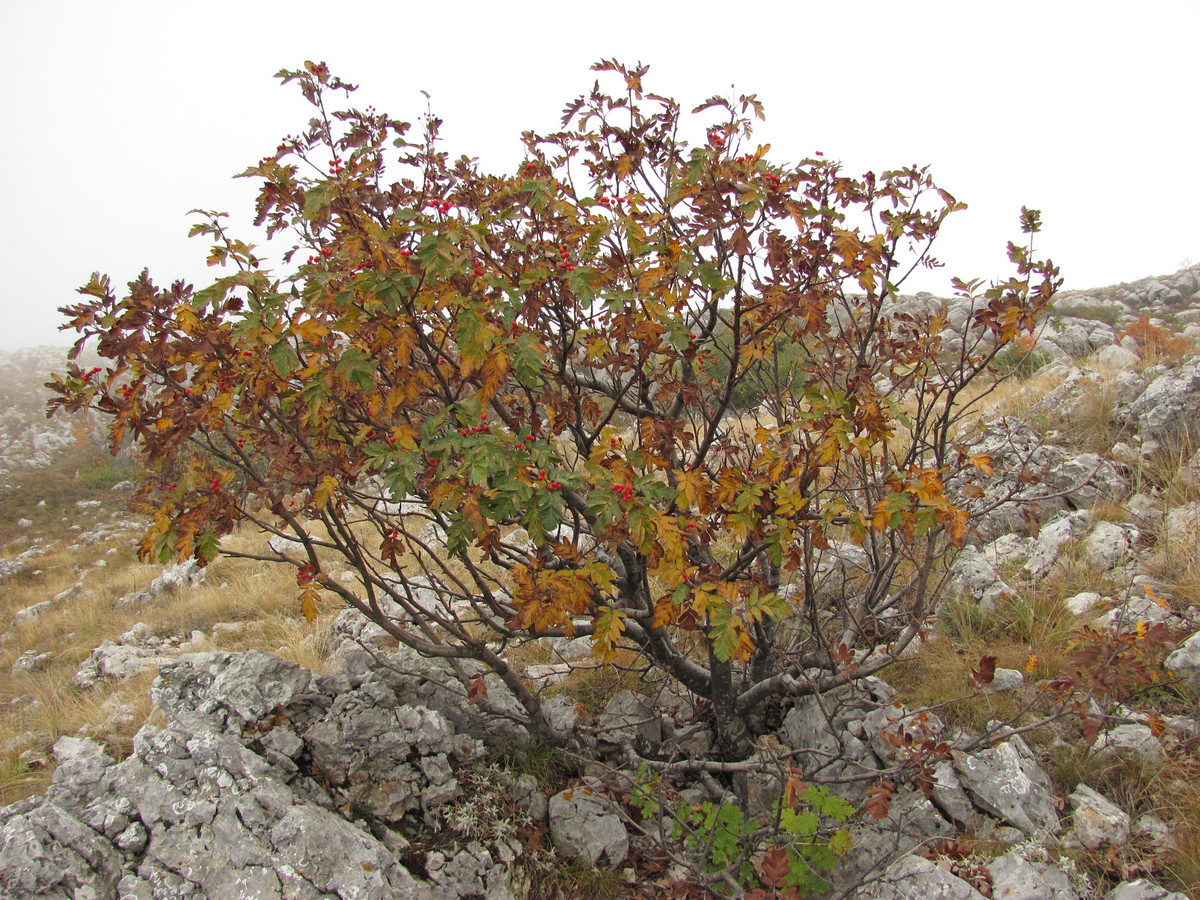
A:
(121, 116)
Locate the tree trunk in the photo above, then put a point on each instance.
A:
(733, 737)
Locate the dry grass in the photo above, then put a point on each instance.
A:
(1028, 633)
(38, 708)
(1170, 792)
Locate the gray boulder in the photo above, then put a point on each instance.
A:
(629, 718)
(1007, 782)
(1124, 741)
(1114, 358)
(1168, 411)
(240, 793)
(1141, 889)
(585, 825)
(1016, 878)
(1098, 821)
(1109, 545)
(31, 661)
(47, 852)
(1086, 480)
(1185, 662)
(917, 878)
(1071, 337)
(973, 575)
(1051, 540)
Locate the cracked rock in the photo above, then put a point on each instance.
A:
(585, 825)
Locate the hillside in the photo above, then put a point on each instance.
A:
(341, 766)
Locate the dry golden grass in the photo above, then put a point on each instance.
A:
(47, 703)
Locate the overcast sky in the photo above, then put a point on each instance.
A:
(122, 116)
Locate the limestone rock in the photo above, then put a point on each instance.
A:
(585, 825)
(1080, 603)
(1168, 411)
(47, 852)
(1141, 889)
(1097, 820)
(1185, 662)
(1050, 542)
(974, 575)
(1114, 358)
(1015, 878)
(1005, 680)
(1009, 784)
(916, 878)
(1088, 479)
(31, 661)
(1131, 740)
(629, 717)
(1109, 545)
(223, 801)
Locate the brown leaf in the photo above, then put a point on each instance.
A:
(775, 867)
(740, 242)
(879, 799)
(476, 687)
(985, 673)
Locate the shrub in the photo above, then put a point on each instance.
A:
(1021, 359)
(559, 348)
(1155, 344)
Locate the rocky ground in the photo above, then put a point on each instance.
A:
(337, 765)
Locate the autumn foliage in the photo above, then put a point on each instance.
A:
(544, 365)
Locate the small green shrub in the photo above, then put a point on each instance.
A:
(1020, 362)
(801, 841)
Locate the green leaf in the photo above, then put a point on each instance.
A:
(207, 544)
(283, 358)
(799, 823)
(357, 368)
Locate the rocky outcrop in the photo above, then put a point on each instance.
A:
(262, 782)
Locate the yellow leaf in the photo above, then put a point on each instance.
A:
(1031, 664)
(308, 605)
(163, 424)
(982, 462)
(696, 489)
(324, 491)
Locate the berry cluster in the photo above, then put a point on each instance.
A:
(564, 260)
(715, 138)
(624, 491)
(478, 429)
(553, 485)
(336, 167)
(611, 202)
(442, 206)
